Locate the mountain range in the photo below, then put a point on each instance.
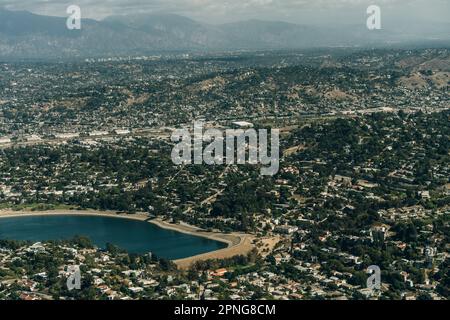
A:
(27, 35)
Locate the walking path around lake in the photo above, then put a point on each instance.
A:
(238, 243)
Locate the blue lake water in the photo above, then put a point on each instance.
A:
(133, 235)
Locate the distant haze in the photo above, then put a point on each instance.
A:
(311, 12)
(37, 28)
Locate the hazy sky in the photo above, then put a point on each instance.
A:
(219, 11)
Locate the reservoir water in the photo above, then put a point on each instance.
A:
(133, 235)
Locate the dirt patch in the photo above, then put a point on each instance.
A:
(293, 150)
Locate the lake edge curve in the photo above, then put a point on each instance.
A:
(237, 243)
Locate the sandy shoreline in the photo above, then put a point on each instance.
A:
(237, 243)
